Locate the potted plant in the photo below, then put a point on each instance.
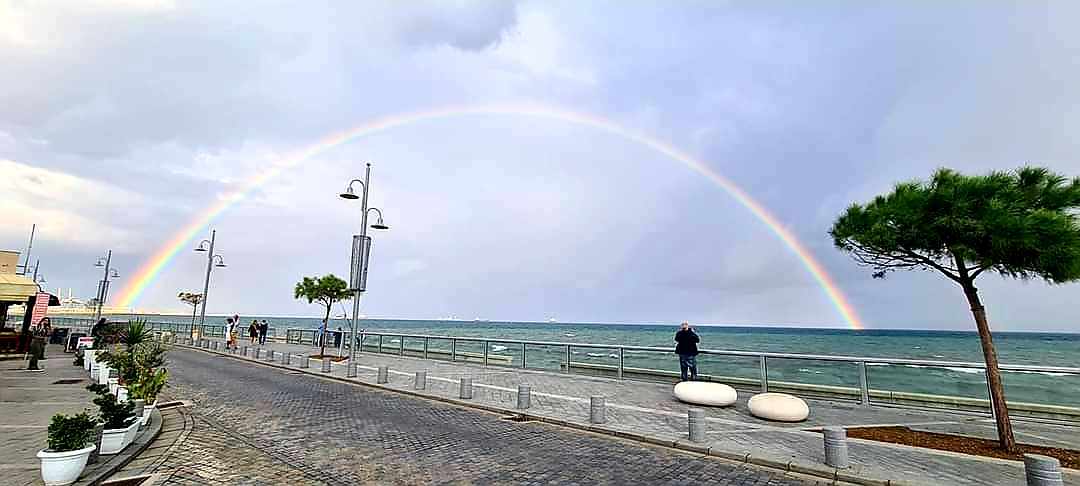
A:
(70, 444)
(119, 419)
(147, 388)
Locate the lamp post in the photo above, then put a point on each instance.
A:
(212, 260)
(103, 286)
(361, 249)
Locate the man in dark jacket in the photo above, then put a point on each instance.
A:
(686, 347)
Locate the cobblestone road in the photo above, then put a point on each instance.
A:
(256, 425)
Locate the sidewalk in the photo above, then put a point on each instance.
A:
(647, 411)
(29, 399)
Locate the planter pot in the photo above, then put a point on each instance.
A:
(115, 440)
(147, 410)
(59, 468)
(121, 394)
(88, 358)
(103, 375)
(114, 384)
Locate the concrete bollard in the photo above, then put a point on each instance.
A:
(466, 389)
(258, 353)
(420, 382)
(695, 419)
(286, 359)
(326, 365)
(1042, 470)
(305, 361)
(244, 351)
(350, 372)
(384, 375)
(524, 397)
(597, 411)
(836, 449)
(214, 346)
(270, 355)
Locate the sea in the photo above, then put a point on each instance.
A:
(1019, 348)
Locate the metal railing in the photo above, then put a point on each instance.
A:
(862, 391)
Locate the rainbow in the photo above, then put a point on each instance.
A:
(153, 267)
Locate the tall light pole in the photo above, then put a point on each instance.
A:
(103, 286)
(212, 261)
(360, 250)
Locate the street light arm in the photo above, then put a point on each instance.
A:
(377, 211)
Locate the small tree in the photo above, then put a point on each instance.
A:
(325, 290)
(1020, 224)
(192, 299)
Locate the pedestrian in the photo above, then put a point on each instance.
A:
(686, 347)
(264, 329)
(322, 333)
(234, 332)
(229, 323)
(253, 331)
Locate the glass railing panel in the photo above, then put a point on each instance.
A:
(927, 386)
(594, 361)
(545, 357)
(502, 353)
(1047, 394)
(814, 378)
(741, 372)
(470, 351)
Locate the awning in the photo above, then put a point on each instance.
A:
(16, 288)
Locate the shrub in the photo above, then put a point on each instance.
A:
(114, 414)
(149, 385)
(70, 433)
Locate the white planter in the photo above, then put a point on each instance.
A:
(121, 394)
(147, 410)
(114, 384)
(103, 375)
(88, 358)
(115, 440)
(60, 468)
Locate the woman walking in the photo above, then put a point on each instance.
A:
(253, 331)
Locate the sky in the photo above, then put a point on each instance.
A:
(121, 121)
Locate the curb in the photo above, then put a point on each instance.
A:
(816, 471)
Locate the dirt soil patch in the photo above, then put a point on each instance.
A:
(958, 443)
(333, 357)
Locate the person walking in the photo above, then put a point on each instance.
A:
(253, 331)
(686, 341)
(264, 329)
(229, 324)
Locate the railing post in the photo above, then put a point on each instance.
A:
(380, 343)
(401, 346)
(425, 347)
(864, 389)
(522, 355)
(764, 374)
(622, 363)
(453, 349)
(486, 352)
(567, 358)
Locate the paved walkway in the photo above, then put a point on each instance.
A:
(648, 409)
(252, 424)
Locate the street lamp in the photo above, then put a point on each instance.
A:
(212, 261)
(360, 252)
(103, 285)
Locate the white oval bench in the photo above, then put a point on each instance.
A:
(780, 407)
(705, 393)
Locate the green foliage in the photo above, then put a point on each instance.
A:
(326, 290)
(114, 414)
(135, 333)
(190, 298)
(149, 385)
(70, 433)
(1020, 224)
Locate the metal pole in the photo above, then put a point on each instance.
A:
(29, 247)
(863, 386)
(104, 290)
(425, 347)
(522, 355)
(621, 362)
(206, 284)
(567, 358)
(764, 374)
(360, 264)
(485, 353)
(453, 350)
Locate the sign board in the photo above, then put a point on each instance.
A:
(41, 308)
(85, 342)
(361, 249)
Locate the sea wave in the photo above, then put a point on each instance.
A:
(498, 348)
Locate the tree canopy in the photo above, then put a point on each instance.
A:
(1020, 224)
(326, 290)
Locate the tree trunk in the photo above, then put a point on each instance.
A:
(194, 309)
(326, 327)
(993, 374)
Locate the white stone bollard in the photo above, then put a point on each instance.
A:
(597, 410)
(524, 397)
(836, 448)
(350, 372)
(326, 365)
(1042, 470)
(466, 389)
(384, 375)
(305, 361)
(695, 419)
(420, 381)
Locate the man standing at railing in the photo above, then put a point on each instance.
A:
(686, 341)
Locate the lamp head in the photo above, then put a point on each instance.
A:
(380, 225)
(99, 263)
(349, 194)
(115, 274)
(220, 265)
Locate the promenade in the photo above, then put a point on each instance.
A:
(250, 424)
(647, 412)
